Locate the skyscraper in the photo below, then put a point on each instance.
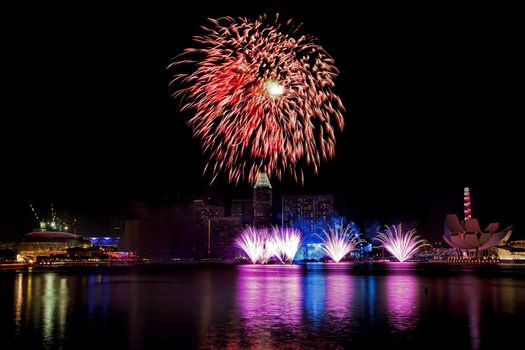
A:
(223, 231)
(308, 213)
(130, 239)
(203, 212)
(262, 201)
(243, 208)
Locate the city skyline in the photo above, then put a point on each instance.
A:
(261, 175)
(429, 111)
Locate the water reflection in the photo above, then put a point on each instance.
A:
(91, 290)
(48, 302)
(473, 295)
(506, 300)
(18, 302)
(339, 290)
(98, 297)
(371, 295)
(278, 304)
(29, 293)
(54, 304)
(206, 305)
(135, 322)
(270, 303)
(43, 310)
(63, 296)
(266, 307)
(364, 300)
(314, 295)
(402, 296)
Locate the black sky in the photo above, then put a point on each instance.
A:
(431, 93)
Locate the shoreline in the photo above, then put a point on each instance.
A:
(351, 265)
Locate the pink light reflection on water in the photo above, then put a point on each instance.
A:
(402, 293)
(472, 295)
(269, 300)
(338, 292)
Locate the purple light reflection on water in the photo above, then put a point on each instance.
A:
(311, 306)
(269, 299)
(402, 295)
(472, 295)
(339, 291)
(295, 299)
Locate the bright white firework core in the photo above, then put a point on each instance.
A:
(274, 89)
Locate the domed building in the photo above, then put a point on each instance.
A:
(468, 237)
(52, 237)
(43, 243)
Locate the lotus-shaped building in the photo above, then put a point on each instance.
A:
(469, 236)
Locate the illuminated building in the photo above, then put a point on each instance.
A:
(466, 204)
(130, 229)
(512, 252)
(106, 241)
(243, 208)
(53, 236)
(262, 202)
(44, 243)
(222, 234)
(203, 212)
(308, 213)
(468, 237)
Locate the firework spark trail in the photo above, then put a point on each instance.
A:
(262, 97)
(338, 241)
(286, 241)
(252, 243)
(267, 251)
(261, 244)
(268, 247)
(402, 245)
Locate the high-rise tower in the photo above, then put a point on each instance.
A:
(262, 201)
(466, 200)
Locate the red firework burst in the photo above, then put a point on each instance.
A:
(262, 96)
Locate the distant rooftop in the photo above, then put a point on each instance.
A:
(52, 235)
(263, 181)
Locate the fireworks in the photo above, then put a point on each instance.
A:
(268, 249)
(401, 245)
(262, 97)
(252, 243)
(286, 242)
(260, 244)
(338, 241)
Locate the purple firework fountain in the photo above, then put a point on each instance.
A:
(402, 245)
(261, 244)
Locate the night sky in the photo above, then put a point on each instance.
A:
(431, 96)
